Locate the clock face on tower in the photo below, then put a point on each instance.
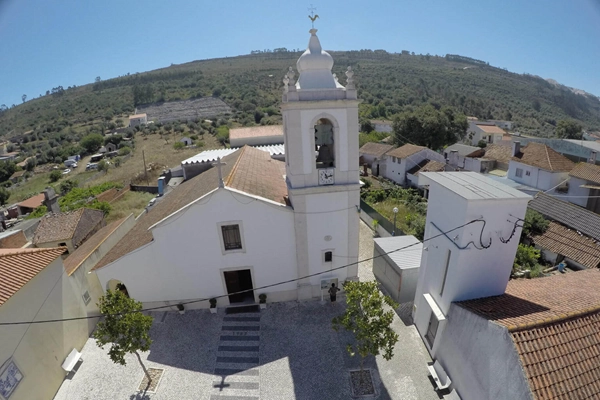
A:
(326, 176)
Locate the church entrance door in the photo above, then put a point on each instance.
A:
(237, 281)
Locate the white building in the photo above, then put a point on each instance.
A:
(34, 287)
(538, 166)
(404, 162)
(373, 154)
(256, 221)
(471, 236)
(486, 131)
(380, 125)
(584, 185)
(138, 119)
(186, 141)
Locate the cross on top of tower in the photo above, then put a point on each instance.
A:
(219, 164)
(312, 15)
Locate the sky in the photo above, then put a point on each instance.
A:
(47, 43)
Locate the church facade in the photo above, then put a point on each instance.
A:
(251, 222)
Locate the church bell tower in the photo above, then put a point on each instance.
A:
(320, 119)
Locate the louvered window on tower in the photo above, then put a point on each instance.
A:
(231, 237)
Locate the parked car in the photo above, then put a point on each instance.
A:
(66, 171)
(151, 202)
(91, 166)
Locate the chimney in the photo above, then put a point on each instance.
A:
(453, 158)
(51, 200)
(592, 159)
(516, 148)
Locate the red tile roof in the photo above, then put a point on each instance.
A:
(491, 128)
(256, 131)
(75, 259)
(32, 202)
(562, 360)
(498, 152)
(541, 156)
(569, 243)
(587, 171)
(64, 226)
(255, 172)
(405, 151)
(375, 149)
(534, 302)
(19, 266)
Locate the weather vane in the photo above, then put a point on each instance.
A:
(312, 15)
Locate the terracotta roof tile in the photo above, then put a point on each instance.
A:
(568, 214)
(498, 152)
(257, 173)
(19, 266)
(75, 259)
(569, 243)
(491, 128)
(33, 202)
(562, 360)
(587, 171)
(541, 156)
(64, 226)
(256, 131)
(405, 151)
(375, 149)
(529, 303)
(433, 166)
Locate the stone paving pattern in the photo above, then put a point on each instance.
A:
(289, 352)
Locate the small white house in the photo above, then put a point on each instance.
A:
(382, 125)
(373, 154)
(186, 141)
(483, 130)
(138, 119)
(403, 159)
(538, 166)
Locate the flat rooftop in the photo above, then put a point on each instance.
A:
(408, 257)
(472, 185)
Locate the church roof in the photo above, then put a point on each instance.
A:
(248, 170)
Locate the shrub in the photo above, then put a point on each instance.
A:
(55, 176)
(123, 151)
(262, 298)
(178, 145)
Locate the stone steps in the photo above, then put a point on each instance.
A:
(237, 362)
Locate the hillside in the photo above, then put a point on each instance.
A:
(251, 86)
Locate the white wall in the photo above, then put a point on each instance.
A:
(579, 194)
(43, 347)
(256, 141)
(185, 260)
(472, 273)
(537, 178)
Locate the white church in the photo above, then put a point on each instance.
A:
(252, 221)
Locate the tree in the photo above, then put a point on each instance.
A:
(366, 319)
(55, 176)
(24, 97)
(67, 185)
(430, 127)
(482, 144)
(7, 168)
(526, 259)
(92, 142)
(31, 163)
(114, 139)
(103, 166)
(178, 145)
(124, 327)
(535, 223)
(4, 195)
(568, 129)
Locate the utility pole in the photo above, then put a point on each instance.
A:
(145, 169)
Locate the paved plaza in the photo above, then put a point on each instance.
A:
(288, 351)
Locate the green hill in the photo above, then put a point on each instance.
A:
(251, 86)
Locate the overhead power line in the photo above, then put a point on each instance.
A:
(248, 290)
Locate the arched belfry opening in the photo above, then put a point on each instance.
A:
(324, 146)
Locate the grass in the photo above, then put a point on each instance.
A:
(386, 207)
(131, 202)
(33, 185)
